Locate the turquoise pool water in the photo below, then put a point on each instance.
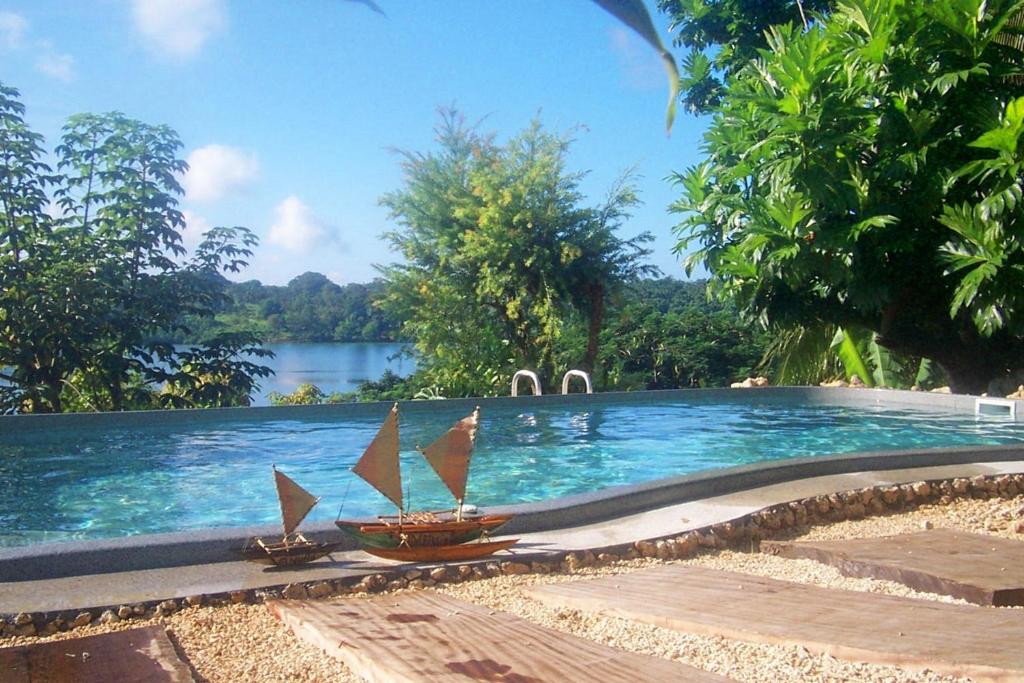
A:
(93, 483)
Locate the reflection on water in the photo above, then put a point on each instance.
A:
(332, 367)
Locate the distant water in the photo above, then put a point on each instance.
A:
(331, 366)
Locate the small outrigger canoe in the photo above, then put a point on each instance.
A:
(293, 548)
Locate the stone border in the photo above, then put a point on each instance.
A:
(208, 546)
(744, 531)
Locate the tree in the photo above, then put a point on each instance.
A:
(723, 36)
(88, 282)
(498, 250)
(864, 172)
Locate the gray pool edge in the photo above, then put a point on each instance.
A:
(207, 546)
(957, 403)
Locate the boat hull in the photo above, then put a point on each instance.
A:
(443, 553)
(287, 555)
(442, 532)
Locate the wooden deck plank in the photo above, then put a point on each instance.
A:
(139, 655)
(964, 640)
(428, 636)
(985, 570)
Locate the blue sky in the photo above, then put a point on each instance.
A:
(288, 109)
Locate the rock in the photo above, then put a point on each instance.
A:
(631, 554)
(417, 584)
(941, 390)
(513, 568)
(750, 382)
(1019, 394)
(867, 495)
(606, 558)
(439, 574)
(665, 551)
(321, 589)
(22, 619)
(83, 619)
(927, 524)
(479, 572)
(238, 597)
(492, 569)
(856, 382)
(109, 617)
(876, 506)
(855, 510)
(686, 545)
(540, 568)
(139, 610)
(646, 548)
(51, 628)
(28, 629)
(1019, 527)
(465, 572)
(167, 607)
(922, 489)
(396, 584)
(413, 574)
(194, 600)
(375, 582)
(8, 630)
(961, 485)
(834, 384)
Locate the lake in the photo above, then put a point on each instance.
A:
(333, 366)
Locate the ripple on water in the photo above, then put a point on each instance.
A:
(91, 483)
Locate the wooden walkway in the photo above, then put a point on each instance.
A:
(139, 655)
(427, 636)
(986, 570)
(963, 640)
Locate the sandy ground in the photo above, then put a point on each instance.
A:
(245, 643)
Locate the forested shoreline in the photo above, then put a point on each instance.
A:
(310, 308)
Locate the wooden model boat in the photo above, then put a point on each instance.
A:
(433, 534)
(294, 548)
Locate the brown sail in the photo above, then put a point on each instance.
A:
(450, 454)
(379, 465)
(296, 502)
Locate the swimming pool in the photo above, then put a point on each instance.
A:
(83, 481)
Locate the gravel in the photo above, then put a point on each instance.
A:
(245, 643)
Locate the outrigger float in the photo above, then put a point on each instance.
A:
(447, 535)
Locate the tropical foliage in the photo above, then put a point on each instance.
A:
(87, 280)
(864, 172)
(499, 253)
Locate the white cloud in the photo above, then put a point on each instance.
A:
(178, 28)
(14, 37)
(13, 28)
(296, 229)
(217, 170)
(56, 65)
(195, 226)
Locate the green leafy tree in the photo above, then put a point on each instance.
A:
(723, 36)
(498, 251)
(862, 172)
(88, 284)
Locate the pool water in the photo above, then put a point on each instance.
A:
(93, 483)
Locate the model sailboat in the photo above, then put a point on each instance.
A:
(293, 548)
(425, 536)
